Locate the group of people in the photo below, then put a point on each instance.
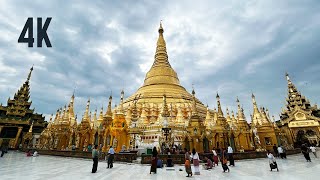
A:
(211, 161)
(305, 150)
(279, 151)
(95, 158)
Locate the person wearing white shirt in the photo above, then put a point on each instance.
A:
(230, 155)
(215, 158)
(313, 150)
(280, 151)
(196, 162)
(35, 154)
(111, 157)
(272, 161)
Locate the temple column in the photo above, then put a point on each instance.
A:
(17, 137)
(1, 127)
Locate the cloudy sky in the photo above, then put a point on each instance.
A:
(233, 47)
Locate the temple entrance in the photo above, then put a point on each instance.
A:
(205, 145)
(312, 137)
(301, 138)
(242, 142)
(9, 132)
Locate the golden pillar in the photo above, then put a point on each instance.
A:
(17, 137)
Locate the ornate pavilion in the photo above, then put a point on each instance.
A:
(19, 124)
(163, 113)
(299, 120)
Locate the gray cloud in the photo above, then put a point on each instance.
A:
(235, 47)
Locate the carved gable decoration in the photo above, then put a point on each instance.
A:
(300, 116)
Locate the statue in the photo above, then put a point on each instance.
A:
(123, 149)
(256, 136)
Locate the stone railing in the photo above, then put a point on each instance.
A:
(179, 158)
(122, 157)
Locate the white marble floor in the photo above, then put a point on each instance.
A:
(15, 165)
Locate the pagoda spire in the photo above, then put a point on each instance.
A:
(95, 119)
(121, 102)
(255, 106)
(101, 114)
(21, 98)
(256, 115)
(194, 110)
(31, 127)
(228, 119)
(109, 111)
(29, 75)
(161, 56)
(240, 111)
(220, 113)
(161, 71)
(86, 114)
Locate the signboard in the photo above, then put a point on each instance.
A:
(306, 123)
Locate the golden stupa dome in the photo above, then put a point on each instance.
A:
(162, 79)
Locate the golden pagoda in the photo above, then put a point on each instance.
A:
(162, 114)
(18, 123)
(265, 134)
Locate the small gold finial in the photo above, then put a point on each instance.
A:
(29, 76)
(160, 28)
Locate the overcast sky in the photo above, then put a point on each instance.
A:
(231, 47)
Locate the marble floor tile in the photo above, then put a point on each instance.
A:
(15, 165)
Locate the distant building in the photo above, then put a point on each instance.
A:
(299, 120)
(18, 123)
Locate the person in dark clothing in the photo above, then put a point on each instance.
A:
(154, 160)
(305, 152)
(275, 151)
(95, 156)
(224, 161)
(169, 161)
(3, 150)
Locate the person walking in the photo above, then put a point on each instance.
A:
(187, 163)
(272, 161)
(196, 162)
(275, 150)
(305, 152)
(3, 150)
(111, 157)
(154, 161)
(314, 150)
(224, 161)
(215, 157)
(95, 156)
(280, 151)
(230, 155)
